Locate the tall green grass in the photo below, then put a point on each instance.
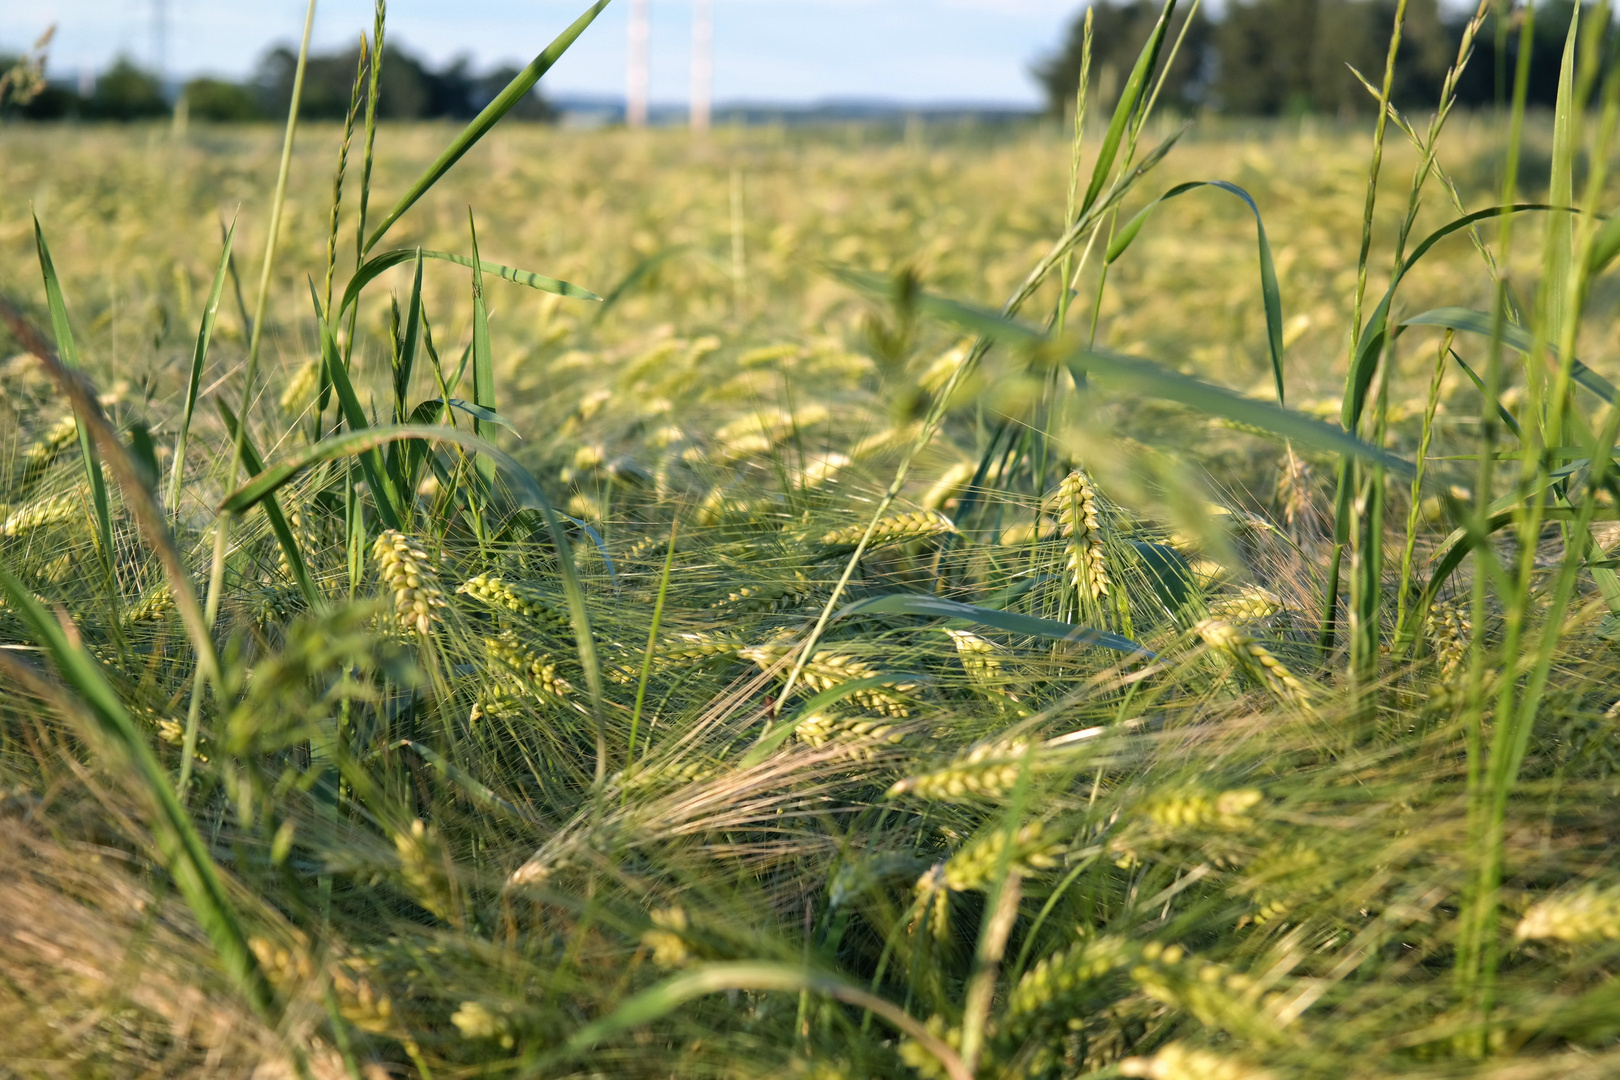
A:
(743, 750)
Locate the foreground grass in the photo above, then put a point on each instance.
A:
(818, 691)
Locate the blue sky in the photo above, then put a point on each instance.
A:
(915, 51)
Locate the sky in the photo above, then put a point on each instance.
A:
(788, 51)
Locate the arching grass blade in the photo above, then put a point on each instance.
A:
(199, 356)
(1270, 294)
(480, 126)
(380, 264)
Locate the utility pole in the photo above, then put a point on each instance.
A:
(635, 113)
(160, 42)
(702, 65)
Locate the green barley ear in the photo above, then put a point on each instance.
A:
(981, 862)
(978, 656)
(408, 572)
(43, 513)
(1079, 513)
(697, 645)
(932, 903)
(424, 866)
(38, 457)
(301, 388)
(897, 529)
(1256, 661)
(514, 597)
(824, 671)
(521, 670)
(1181, 1062)
(1451, 626)
(858, 739)
(1250, 604)
(1055, 978)
(1585, 915)
(1296, 491)
(989, 770)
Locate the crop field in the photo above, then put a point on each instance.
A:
(627, 604)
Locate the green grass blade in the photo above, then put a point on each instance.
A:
(272, 510)
(69, 352)
(199, 357)
(413, 334)
(651, 650)
(1128, 100)
(1146, 376)
(484, 121)
(1269, 291)
(1605, 246)
(379, 264)
(477, 412)
(483, 363)
(935, 607)
(1558, 254)
(371, 463)
(1515, 337)
(184, 852)
(638, 273)
(1479, 384)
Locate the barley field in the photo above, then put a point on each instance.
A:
(623, 604)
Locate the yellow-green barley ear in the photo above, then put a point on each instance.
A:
(1086, 560)
(825, 671)
(1450, 625)
(1256, 661)
(408, 572)
(989, 770)
(977, 864)
(1584, 915)
(514, 597)
(896, 529)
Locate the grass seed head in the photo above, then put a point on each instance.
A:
(667, 937)
(517, 669)
(825, 671)
(301, 388)
(1056, 976)
(475, 1020)
(40, 455)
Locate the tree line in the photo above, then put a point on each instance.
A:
(1292, 57)
(409, 88)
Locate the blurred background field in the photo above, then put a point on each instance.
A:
(731, 306)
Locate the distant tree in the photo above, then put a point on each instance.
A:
(1119, 30)
(126, 93)
(1291, 56)
(1489, 77)
(409, 89)
(220, 101)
